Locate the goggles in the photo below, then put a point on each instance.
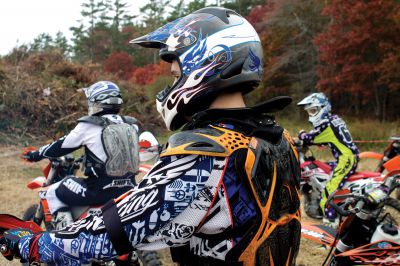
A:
(312, 111)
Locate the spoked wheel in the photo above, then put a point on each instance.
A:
(392, 211)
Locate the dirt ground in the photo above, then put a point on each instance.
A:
(15, 197)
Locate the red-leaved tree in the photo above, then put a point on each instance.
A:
(359, 54)
(119, 63)
(146, 75)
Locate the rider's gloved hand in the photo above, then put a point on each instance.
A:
(297, 142)
(9, 242)
(33, 156)
(302, 134)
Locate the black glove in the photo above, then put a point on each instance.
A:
(9, 242)
(33, 156)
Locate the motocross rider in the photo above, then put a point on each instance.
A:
(329, 130)
(107, 177)
(226, 186)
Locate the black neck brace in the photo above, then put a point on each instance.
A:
(251, 121)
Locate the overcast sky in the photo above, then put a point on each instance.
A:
(23, 20)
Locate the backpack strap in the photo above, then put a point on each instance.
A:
(96, 120)
(129, 120)
(212, 141)
(115, 229)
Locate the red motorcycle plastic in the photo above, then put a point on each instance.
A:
(370, 231)
(315, 174)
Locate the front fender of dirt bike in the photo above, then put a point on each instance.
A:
(371, 155)
(318, 233)
(38, 182)
(393, 165)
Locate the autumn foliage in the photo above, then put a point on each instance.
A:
(147, 74)
(119, 63)
(359, 53)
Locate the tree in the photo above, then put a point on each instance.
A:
(121, 15)
(119, 63)
(91, 11)
(120, 19)
(178, 11)
(61, 43)
(42, 42)
(154, 13)
(147, 74)
(243, 7)
(79, 39)
(287, 29)
(358, 53)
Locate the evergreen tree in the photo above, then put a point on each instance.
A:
(61, 43)
(79, 39)
(154, 13)
(120, 19)
(243, 7)
(91, 11)
(154, 17)
(41, 43)
(178, 11)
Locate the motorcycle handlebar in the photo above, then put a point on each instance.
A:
(341, 209)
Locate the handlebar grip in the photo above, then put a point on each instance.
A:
(338, 209)
(3, 249)
(360, 204)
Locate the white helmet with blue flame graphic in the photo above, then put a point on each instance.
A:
(217, 51)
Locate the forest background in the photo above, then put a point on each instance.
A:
(348, 49)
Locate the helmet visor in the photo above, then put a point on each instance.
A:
(312, 111)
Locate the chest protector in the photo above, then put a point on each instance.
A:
(268, 162)
(120, 143)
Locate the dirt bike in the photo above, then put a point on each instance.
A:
(315, 174)
(55, 171)
(392, 150)
(370, 231)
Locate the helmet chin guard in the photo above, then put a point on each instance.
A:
(217, 51)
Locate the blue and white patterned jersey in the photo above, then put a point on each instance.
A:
(182, 198)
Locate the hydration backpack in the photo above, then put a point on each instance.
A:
(120, 142)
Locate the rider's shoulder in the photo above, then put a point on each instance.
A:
(336, 120)
(211, 141)
(96, 120)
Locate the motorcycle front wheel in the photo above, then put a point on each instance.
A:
(30, 214)
(392, 209)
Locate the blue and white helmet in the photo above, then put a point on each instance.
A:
(103, 97)
(317, 106)
(217, 51)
